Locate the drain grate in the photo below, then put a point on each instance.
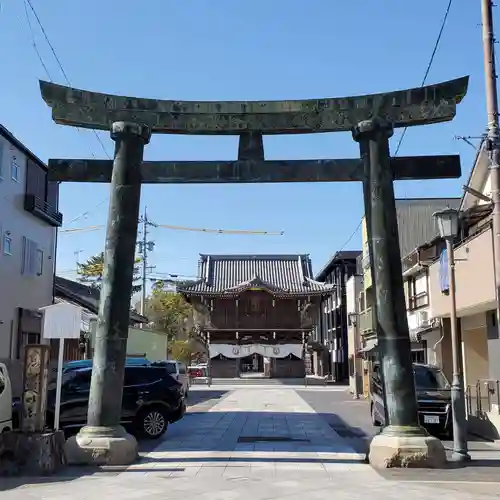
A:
(271, 439)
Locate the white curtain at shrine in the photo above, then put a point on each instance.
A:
(266, 350)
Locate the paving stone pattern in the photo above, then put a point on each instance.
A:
(225, 454)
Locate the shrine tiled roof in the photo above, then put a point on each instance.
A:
(280, 275)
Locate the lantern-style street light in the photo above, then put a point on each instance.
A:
(447, 221)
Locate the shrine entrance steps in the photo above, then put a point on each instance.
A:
(248, 380)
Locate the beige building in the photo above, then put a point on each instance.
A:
(354, 287)
(29, 217)
(475, 301)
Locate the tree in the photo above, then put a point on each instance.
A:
(169, 313)
(181, 350)
(91, 272)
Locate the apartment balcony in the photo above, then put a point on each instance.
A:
(42, 210)
(366, 322)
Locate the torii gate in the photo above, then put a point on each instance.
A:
(370, 118)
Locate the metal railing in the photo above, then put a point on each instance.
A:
(34, 203)
(483, 397)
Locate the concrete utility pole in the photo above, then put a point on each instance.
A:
(493, 143)
(145, 247)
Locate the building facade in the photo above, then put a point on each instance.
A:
(256, 313)
(416, 227)
(29, 217)
(331, 339)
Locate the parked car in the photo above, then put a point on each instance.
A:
(433, 397)
(87, 363)
(151, 400)
(5, 400)
(178, 371)
(198, 371)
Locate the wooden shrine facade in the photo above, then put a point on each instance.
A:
(255, 312)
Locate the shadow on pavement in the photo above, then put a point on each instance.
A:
(70, 474)
(197, 396)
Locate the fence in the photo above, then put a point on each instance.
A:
(483, 397)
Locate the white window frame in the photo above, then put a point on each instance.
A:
(7, 242)
(15, 169)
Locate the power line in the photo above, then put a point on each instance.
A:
(424, 79)
(59, 63)
(352, 236)
(429, 65)
(28, 3)
(33, 41)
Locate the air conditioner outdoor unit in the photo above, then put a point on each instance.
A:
(422, 319)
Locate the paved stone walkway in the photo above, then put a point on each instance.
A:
(263, 429)
(226, 453)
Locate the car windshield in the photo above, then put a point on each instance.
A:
(429, 378)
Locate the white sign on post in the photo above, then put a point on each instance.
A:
(61, 321)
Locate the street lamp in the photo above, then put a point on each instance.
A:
(352, 319)
(447, 221)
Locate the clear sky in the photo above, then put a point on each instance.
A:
(237, 50)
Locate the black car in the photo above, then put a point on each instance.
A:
(151, 400)
(433, 397)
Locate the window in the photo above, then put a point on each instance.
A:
(32, 260)
(2, 381)
(430, 378)
(418, 356)
(39, 262)
(15, 170)
(182, 368)
(139, 376)
(79, 381)
(417, 292)
(7, 243)
(171, 368)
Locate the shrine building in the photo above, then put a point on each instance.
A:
(255, 313)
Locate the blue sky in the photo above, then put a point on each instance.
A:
(235, 50)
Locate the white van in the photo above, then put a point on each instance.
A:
(5, 400)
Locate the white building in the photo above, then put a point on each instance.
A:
(28, 220)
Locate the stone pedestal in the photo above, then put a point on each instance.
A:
(101, 446)
(31, 454)
(395, 449)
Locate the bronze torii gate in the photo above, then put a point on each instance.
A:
(370, 118)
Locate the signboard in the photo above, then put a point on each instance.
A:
(61, 321)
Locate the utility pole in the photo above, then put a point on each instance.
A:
(493, 143)
(145, 246)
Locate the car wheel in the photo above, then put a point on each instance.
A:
(375, 421)
(153, 423)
